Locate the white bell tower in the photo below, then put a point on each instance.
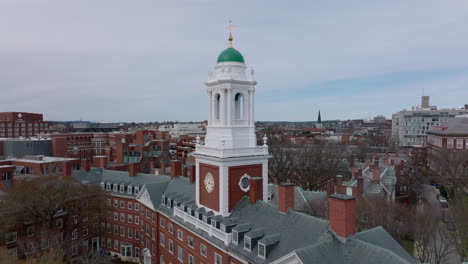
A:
(230, 150)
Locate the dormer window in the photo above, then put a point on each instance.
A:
(122, 188)
(261, 250)
(247, 244)
(137, 189)
(114, 189)
(108, 187)
(235, 237)
(169, 201)
(102, 186)
(213, 223)
(222, 227)
(163, 200)
(129, 189)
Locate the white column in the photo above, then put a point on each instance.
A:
(223, 107)
(251, 107)
(229, 107)
(210, 108)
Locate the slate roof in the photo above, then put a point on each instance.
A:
(457, 126)
(310, 238)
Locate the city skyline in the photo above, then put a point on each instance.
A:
(121, 62)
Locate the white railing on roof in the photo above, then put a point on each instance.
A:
(225, 153)
(199, 224)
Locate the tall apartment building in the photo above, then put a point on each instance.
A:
(409, 127)
(16, 124)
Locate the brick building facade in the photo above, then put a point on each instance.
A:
(16, 124)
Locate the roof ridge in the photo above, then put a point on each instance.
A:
(383, 249)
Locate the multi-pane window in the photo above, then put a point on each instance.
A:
(137, 219)
(122, 217)
(171, 246)
(161, 222)
(180, 253)
(459, 143)
(191, 259)
(203, 250)
(449, 143)
(122, 231)
(122, 204)
(116, 244)
(116, 203)
(137, 234)
(137, 207)
(247, 243)
(218, 258)
(180, 234)
(129, 205)
(171, 228)
(130, 232)
(261, 250)
(116, 230)
(130, 218)
(116, 216)
(191, 241)
(162, 239)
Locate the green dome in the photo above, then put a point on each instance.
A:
(230, 54)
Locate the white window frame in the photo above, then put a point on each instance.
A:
(247, 241)
(450, 143)
(137, 207)
(260, 245)
(171, 228)
(180, 253)
(171, 246)
(235, 237)
(191, 241)
(129, 205)
(459, 143)
(203, 246)
(218, 259)
(162, 239)
(191, 259)
(137, 219)
(180, 235)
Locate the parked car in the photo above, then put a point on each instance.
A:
(442, 201)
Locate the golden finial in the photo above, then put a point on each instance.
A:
(230, 27)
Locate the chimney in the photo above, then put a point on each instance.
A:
(162, 170)
(360, 183)
(176, 168)
(256, 190)
(354, 172)
(66, 169)
(342, 215)
(376, 174)
(133, 169)
(86, 165)
(100, 162)
(339, 180)
(285, 197)
(330, 187)
(192, 173)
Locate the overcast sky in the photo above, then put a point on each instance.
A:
(146, 60)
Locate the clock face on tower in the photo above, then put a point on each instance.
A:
(209, 182)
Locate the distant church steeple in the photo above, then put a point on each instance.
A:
(319, 120)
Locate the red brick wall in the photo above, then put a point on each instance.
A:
(195, 251)
(235, 173)
(210, 200)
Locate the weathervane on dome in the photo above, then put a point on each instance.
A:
(230, 28)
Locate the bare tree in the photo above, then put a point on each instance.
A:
(51, 214)
(281, 164)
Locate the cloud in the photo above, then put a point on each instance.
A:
(146, 60)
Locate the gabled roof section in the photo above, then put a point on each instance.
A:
(374, 246)
(293, 230)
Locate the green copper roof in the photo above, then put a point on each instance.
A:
(230, 54)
